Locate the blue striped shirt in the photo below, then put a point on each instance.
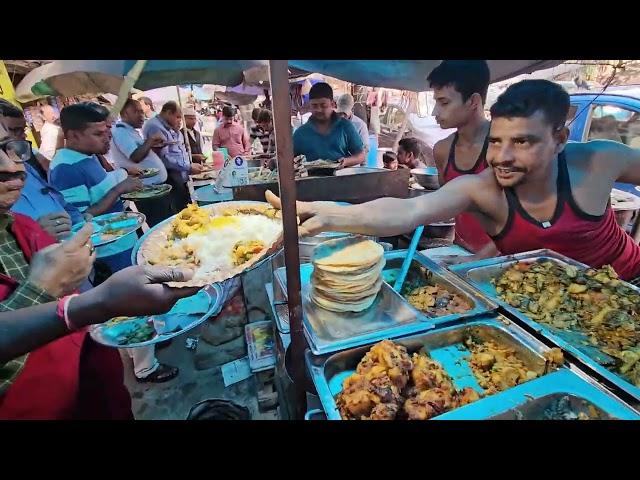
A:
(83, 182)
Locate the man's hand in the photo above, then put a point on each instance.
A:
(60, 269)
(129, 184)
(134, 171)
(156, 140)
(141, 291)
(314, 216)
(87, 217)
(57, 224)
(196, 168)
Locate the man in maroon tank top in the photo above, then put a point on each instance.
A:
(460, 91)
(541, 191)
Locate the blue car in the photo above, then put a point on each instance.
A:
(611, 116)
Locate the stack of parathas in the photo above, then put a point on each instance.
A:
(347, 274)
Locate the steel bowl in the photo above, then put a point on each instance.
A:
(427, 177)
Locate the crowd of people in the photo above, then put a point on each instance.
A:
(87, 161)
(513, 184)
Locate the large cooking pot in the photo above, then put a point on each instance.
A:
(426, 177)
(445, 230)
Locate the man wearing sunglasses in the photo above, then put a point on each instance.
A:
(34, 270)
(39, 199)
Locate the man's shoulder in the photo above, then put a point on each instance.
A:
(66, 156)
(303, 129)
(585, 153)
(444, 145)
(152, 123)
(346, 124)
(441, 150)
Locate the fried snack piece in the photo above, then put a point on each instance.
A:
(497, 367)
(429, 403)
(428, 373)
(387, 358)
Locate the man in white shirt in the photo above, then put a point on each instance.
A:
(51, 137)
(345, 110)
(128, 149)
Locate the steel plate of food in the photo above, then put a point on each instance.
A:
(219, 241)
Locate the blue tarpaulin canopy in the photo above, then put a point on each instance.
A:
(408, 74)
(78, 77)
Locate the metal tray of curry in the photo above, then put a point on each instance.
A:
(478, 370)
(433, 291)
(326, 331)
(587, 312)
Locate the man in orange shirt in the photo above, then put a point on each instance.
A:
(231, 135)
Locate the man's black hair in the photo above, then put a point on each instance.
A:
(388, 157)
(129, 103)
(321, 90)
(171, 107)
(465, 76)
(410, 145)
(79, 115)
(228, 111)
(8, 109)
(255, 113)
(147, 101)
(265, 116)
(527, 97)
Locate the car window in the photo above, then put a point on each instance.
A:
(610, 122)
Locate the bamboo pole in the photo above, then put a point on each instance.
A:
(279, 78)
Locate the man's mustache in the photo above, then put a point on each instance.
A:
(8, 176)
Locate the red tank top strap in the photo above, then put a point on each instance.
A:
(481, 162)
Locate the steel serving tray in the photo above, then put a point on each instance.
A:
(443, 277)
(479, 275)
(444, 345)
(389, 317)
(529, 400)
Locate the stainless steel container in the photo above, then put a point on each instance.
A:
(427, 177)
(479, 274)
(329, 371)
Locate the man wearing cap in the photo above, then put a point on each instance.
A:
(193, 136)
(327, 136)
(345, 110)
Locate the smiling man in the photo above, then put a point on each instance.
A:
(542, 192)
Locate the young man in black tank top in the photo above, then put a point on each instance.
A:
(527, 135)
(460, 90)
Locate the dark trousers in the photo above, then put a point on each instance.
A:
(156, 209)
(179, 195)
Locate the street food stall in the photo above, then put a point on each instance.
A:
(363, 332)
(449, 344)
